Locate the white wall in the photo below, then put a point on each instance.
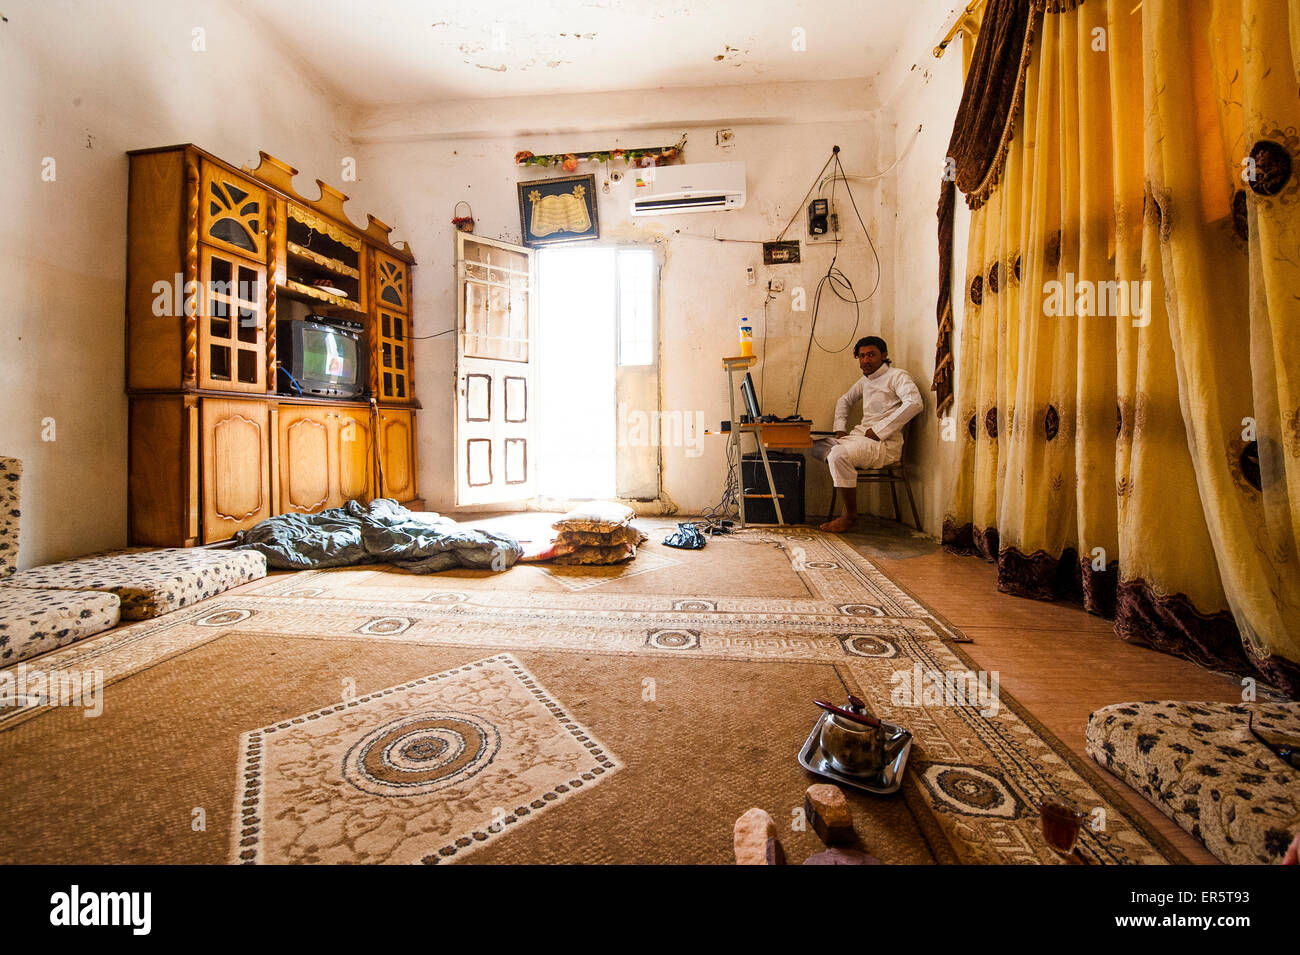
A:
(927, 97)
(83, 83)
(408, 168)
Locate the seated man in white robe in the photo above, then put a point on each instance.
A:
(889, 399)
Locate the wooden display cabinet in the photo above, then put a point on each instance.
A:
(212, 253)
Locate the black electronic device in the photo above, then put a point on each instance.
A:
(751, 398)
(819, 211)
(348, 323)
(787, 473)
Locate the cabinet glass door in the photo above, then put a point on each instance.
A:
(234, 212)
(232, 324)
(392, 286)
(394, 353)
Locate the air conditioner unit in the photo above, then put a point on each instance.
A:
(693, 187)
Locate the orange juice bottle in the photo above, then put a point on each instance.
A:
(746, 338)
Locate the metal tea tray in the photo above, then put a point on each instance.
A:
(887, 781)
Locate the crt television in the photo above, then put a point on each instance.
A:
(319, 360)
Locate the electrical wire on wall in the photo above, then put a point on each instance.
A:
(838, 282)
(884, 172)
(762, 380)
(835, 158)
(372, 445)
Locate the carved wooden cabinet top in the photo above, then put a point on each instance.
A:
(278, 175)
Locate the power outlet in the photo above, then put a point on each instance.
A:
(776, 285)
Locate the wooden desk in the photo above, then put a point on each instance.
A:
(767, 434)
(782, 434)
(776, 434)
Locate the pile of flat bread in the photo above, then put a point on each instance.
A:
(601, 532)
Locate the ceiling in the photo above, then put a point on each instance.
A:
(384, 52)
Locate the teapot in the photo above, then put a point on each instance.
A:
(852, 739)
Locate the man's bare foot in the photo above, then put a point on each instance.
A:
(839, 525)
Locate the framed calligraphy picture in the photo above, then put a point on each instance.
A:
(552, 211)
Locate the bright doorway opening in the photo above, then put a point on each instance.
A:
(597, 362)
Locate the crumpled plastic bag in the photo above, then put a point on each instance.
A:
(687, 537)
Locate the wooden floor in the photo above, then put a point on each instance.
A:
(1060, 662)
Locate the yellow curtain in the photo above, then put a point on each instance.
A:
(1128, 418)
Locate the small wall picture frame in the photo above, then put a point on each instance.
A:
(553, 211)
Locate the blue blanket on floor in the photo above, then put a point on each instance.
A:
(381, 532)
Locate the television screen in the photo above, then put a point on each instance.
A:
(327, 356)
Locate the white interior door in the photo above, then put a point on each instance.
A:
(495, 399)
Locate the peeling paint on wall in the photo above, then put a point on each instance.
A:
(733, 55)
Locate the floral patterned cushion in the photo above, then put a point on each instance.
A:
(599, 516)
(627, 534)
(1205, 766)
(597, 554)
(33, 622)
(150, 582)
(11, 471)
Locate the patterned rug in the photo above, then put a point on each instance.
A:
(548, 714)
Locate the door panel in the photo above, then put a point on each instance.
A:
(516, 463)
(494, 376)
(354, 447)
(305, 470)
(236, 471)
(324, 457)
(397, 454)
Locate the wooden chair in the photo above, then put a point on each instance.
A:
(893, 475)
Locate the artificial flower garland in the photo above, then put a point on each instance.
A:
(653, 156)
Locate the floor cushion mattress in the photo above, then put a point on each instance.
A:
(1207, 767)
(33, 622)
(150, 582)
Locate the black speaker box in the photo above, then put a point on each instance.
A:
(787, 472)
